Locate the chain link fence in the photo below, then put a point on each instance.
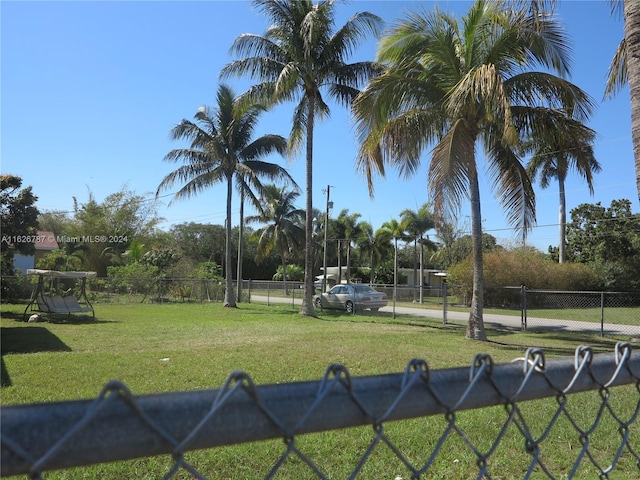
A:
(616, 313)
(118, 425)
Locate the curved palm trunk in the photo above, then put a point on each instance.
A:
(307, 301)
(229, 296)
(562, 220)
(475, 327)
(632, 37)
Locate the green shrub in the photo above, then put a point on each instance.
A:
(513, 268)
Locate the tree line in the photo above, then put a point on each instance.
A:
(603, 244)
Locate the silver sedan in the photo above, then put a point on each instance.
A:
(351, 296)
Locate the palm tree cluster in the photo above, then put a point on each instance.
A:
(494, 80)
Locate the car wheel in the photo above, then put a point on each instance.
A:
(318, 303)
(374, 309)
(349, 306)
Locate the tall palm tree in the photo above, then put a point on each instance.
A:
(569, 147)
(283, 232)
(222, 150)
(365, 243)
(395, 230)
(298, 58)
(417, 223)
(347, 229)
(456, 85)
(625, 68)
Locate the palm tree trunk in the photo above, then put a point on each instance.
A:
(307, 301)
(632, 38)
(229, 296)
(475, 327)
(562, 220)
(415, 267)
(373, 266)
(349, 261)
(395, 274)
(339, 261)
(240, 248)
(421, 271)
(284, 274)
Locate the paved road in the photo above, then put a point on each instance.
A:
(495, 320)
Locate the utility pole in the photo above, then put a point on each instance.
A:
(326, 230)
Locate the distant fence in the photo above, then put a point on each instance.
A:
(536, 308)
(118, 425)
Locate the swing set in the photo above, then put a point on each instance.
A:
(44, 298)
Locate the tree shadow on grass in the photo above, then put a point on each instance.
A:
(30, 340)
(26, 340)
(572, 339)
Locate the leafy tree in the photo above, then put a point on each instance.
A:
(607, 239)
(200, 242)
(568, 147)
(222, 150)
(68, 258)
(18, 220)
(282, 231)
(293, 272)
(300, 57)
(133, 278)
(209, 271)
(103, 231)
(54, 221)
(459, 84)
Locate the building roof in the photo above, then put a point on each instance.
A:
(46, 241)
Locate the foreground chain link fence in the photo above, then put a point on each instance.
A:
(118, 425)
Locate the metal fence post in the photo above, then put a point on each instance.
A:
(602, 314)
(523, 318)
(444, 303)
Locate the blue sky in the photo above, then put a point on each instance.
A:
(90, 91)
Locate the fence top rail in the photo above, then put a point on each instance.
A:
(583, 292)
(241, 412)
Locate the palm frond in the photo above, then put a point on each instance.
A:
(451, 166)
(513, 187)
(618, 75)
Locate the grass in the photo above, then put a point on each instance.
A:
(173, 347)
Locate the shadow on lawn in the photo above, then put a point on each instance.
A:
(26, 340)
(30, 340)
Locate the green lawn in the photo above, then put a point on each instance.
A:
(173, 347)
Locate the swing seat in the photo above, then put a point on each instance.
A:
(58, 304)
